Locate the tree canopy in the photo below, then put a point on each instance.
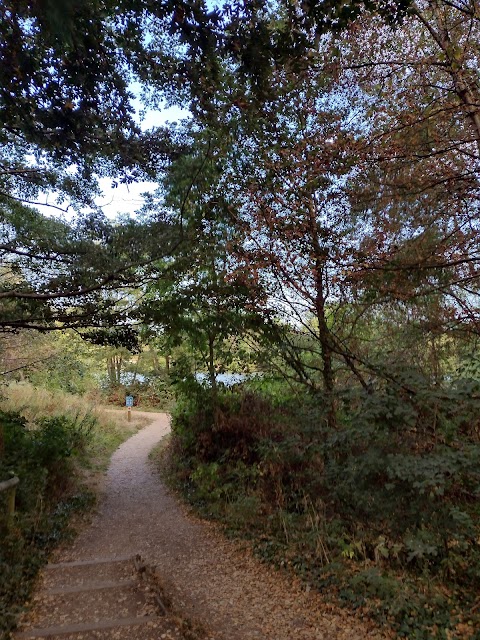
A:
(337, 143)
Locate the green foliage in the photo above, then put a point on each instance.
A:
(383, 510)
(62, 436)
(41, 456)
(89, 261)
(118, 336)
(469, 367)
(63, 372)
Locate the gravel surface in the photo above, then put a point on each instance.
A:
(211, 580)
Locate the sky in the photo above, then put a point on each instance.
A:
(128, 198)
(125, 199)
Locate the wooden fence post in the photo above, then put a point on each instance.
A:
(11, 487)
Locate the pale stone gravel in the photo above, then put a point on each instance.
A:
(212, 580)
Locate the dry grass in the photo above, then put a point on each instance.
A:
(112, 426)
(34, 402)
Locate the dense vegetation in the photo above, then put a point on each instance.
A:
(314, 221)
(380, 512)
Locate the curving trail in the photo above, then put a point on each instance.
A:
(211, 579)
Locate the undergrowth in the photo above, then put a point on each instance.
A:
(381, 512)
(47, 440)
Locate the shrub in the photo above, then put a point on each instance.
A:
(383, 509)
(41, 454)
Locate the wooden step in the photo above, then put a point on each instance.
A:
(91, 586)
(84, 627)
(73, 574)
(67, 605)
(88, 563)
(97, 599)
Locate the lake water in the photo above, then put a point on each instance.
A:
(227, 379)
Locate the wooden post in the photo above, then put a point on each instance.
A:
(11, 487)
(11, 502)
(129, 404)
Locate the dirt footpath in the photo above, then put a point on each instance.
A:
(210, 579)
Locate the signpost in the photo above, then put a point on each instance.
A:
(129, 405)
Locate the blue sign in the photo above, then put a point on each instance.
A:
(129, 401)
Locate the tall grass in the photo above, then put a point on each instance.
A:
(110, 428)
(34, 402)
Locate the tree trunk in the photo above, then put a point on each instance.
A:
(464, 81)
(135, 371)
(111, 370)
(325, 338)
(212, 374)
(114, 369)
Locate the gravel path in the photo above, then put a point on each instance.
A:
(211, 579)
